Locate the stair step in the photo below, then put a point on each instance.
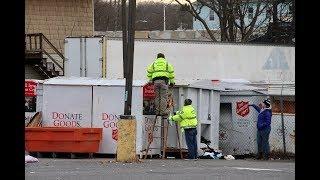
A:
(54, 73)
(42, 71)
(33, 54)
(44, 62)
(50, 66)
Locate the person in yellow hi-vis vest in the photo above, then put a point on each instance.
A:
(161, 73)
(187, 119)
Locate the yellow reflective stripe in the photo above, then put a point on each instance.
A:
(187, 118)
(191, 118)
(167, 66)
(161, 71)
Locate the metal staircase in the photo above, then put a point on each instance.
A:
(37, 48)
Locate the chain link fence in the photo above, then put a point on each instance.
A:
(238, 125)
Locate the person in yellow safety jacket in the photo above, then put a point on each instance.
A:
(187, 119)
(161, 73)
(161, 69)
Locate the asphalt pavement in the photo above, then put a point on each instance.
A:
(203, 169)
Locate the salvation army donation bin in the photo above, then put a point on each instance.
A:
(98, 103)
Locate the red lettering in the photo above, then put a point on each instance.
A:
(56, 123)
(105, 116)
(112, 125)
(54, 115)
(59, 123)
(106, 124)
(109, 117)
(68, 123)
(61, 116)
(62, 124)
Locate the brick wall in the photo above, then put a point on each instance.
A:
(57, 19)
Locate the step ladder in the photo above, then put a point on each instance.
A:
(164, 125)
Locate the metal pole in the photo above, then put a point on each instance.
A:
(164, 17)
(131, 30)
(124, 36)
(282, 122)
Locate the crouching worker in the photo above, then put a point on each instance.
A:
(187, 119)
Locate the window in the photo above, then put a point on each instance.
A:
(250, 12)
(211, 15)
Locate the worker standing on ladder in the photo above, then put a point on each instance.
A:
(187, 119)
(161, 73)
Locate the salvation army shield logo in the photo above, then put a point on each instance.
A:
(243, 108)
(115, 134)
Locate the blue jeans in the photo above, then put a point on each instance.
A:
(191, 140)
(263, 141)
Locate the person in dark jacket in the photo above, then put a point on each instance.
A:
(264, 128)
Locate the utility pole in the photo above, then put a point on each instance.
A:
(282, 120)
(126, 147)
(164, 17)
(129, 73)
(124, 36)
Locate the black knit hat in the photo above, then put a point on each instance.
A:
(187, 102)
(160, 55)
(267, 102)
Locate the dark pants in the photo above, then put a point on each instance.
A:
(263, 142)
(191, 140)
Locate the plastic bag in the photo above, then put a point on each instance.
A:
(229, 157)
(30, 159)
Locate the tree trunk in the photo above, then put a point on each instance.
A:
(275, 11)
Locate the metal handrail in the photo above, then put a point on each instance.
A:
(37, 46)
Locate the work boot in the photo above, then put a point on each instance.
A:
(266, 157)
(259, 156)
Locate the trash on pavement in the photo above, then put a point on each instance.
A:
(229, 157)
(30, 159)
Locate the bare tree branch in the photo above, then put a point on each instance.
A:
(196, 15)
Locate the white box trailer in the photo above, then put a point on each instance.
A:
(92, 102)
(102, 57)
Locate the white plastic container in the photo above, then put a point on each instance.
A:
(67, 102)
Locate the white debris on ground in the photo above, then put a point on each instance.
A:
(213, 155)
(229, 157)
(30, 159)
